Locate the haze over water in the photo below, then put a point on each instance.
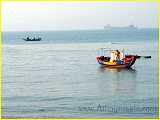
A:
(60, 77)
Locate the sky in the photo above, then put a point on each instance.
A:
(32, 16)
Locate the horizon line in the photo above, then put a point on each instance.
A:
(75, 29)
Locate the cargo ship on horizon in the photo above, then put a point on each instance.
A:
(129, 27)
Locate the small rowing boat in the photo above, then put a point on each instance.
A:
(118, 59)
(32, 39)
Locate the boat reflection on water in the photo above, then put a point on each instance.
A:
(115, 70)
(118, 81)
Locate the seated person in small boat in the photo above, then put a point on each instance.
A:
(27, 38)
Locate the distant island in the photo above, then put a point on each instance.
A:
(129, 27)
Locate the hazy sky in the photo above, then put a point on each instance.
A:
(66, 16)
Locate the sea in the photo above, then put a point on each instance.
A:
(59, 77)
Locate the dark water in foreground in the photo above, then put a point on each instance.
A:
(64, 80)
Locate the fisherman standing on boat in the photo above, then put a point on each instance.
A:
(117, 55)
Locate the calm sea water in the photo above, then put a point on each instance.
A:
(59, 76)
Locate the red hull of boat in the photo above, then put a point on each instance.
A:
(128, 64)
